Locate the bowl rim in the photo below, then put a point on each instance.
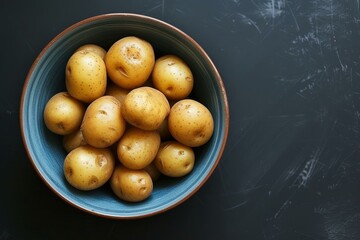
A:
(147, 18)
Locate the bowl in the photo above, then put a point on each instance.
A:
(46, 77)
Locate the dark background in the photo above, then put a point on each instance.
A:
(291, 167)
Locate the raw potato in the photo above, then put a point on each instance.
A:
(174, 159)
(153, 171)
(63, 114)
(93, 48)
(145, 108)
(87, 168)
(131, 185)
(173, 77)
(73, 140)
(164, 130)
(190, 123)
(138, 124)
(116, 91)
(129, 62)
(137, 148)
(85, 75)
(103, 124)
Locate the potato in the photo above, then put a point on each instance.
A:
(93, 48)
(129, 62)
(63, 114)
(173, 77)
(87, 168)
(73, 140)
(174, 159)
(103, 123)
(116, 91)
(131, 185)
(85, 76)
(145, 108)
(152, 170)
(164, 130)
(137, 148)
(190, 123)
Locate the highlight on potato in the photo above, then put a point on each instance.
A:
(127, 119)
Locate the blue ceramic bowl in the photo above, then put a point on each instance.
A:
(46, 77)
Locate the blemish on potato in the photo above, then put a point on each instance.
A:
(141, 180)
(102, 112)
(201, 134)
(101, 160)
(133, 52)
(60, 125)
(106, 142)
(170, 88)
(68, 70)
(111, 129)
(126, 147)
(186, 165)
(93, 180)
(69, 171)
(121, 70)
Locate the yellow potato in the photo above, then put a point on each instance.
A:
(137, 148)
(131, 185)
(190, 123)
(103, 124)
(174, 159)
(173, 77)
(63, 114)
(164, 127)
(73, 140)
(145, 108)
(85, 76)
(153, 171)
(129, 62)
(93, 48)
(164, 130)
(88, 168)
(116, 91)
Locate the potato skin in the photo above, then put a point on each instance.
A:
(63, 114)
(173, 77)
(103, 124)
(137, 148)
(174, 159)
(93, 48)
(131, 185)
(87, 168)
(85, 76)
(152, 170)
(116, 91)
(129, 62)
(190, 123)
(145, 101)
(73, 140)
(163, 130)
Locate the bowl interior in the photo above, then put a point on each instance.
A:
(47, 77)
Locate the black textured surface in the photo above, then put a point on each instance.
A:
(291, 168)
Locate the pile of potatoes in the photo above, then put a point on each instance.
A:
(126, 118)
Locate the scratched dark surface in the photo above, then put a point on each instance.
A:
(291, 168)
